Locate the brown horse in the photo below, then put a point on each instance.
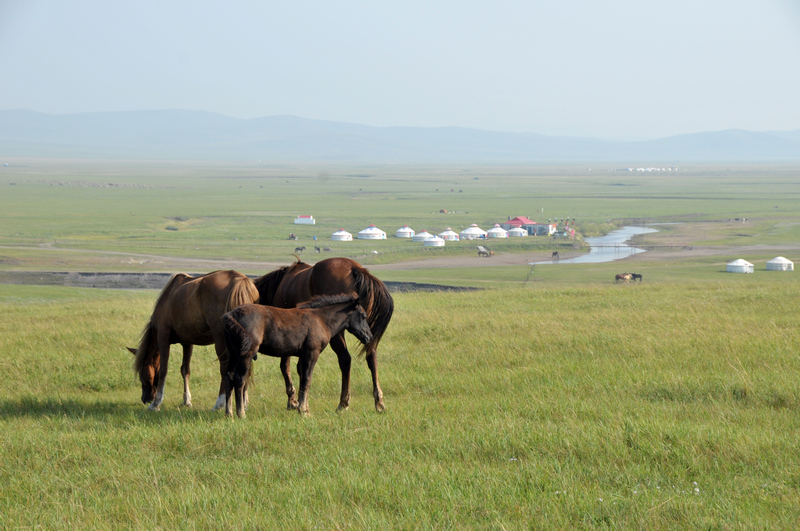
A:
(291, 285)
(623, 277)
(188, 311)
(303, 331)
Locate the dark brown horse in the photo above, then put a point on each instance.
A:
(636, 276)
(623, 277)
(188, 311)
(303, 331)
(297, 283)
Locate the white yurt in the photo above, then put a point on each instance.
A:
(342, 235)
(404, 232)
(780, 263)
(421, 236)
(740, 266)
(517, 232)
(433, 241)
(497, 232)
(449, 235)
(473, 232)
(371, 233)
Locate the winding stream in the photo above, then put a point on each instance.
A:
(612, 246)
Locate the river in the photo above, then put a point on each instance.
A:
(612, 246)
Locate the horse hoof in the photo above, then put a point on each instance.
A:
(342, 408)
(292, 405)
(380, 408)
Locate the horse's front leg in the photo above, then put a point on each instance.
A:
(186, 372)
(339, 346)
(305, 366)
(163, 348)
(291, 392)
(222, 357)
(372, 363)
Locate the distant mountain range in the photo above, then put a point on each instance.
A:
(198, 135)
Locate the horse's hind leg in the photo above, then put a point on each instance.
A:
(186, 372)
(372, 363)
(339, 346)
(291, 392)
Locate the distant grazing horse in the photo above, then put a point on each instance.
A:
(303, 331)
(555, 256)
(624, 277)
(188, 311)
(636, 276)
(299, 249)
(291, 285)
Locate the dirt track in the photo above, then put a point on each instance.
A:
(169, 265)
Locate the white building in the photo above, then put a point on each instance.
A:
(780, 263)
(305, 220)
(449, 235)
(497, 232)
(342, 235)
(421, 236)
(473, 232)
(371, 233)
(404, 232)
(739, 266)
(517, 232)
(433, 241)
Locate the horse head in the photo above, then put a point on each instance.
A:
(148, 376)
(358, 325)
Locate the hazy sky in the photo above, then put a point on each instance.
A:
(628, 69)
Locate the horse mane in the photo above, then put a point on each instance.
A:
(329, 300)
(244, 291)
(148, 347)
(267, 285)
(379, 304)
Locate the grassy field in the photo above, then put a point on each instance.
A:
(552, 398)
(658, 405)
(51, 209)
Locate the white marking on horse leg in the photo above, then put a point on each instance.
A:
(156, 404)
(187, 399)
(220, 403)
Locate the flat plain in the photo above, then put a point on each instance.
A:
(551, 398)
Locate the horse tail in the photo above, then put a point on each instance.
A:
(237, 340)
(244, 291)
(148, 348)
(378, 303)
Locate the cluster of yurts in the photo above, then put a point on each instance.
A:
(473, 232)
(778, 263)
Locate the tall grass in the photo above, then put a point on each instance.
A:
(550, 406)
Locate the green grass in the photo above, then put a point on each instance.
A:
(245, 211)
(660, 405)
(553, 398)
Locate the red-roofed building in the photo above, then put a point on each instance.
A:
(533, 228)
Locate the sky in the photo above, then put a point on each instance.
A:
(616, 69)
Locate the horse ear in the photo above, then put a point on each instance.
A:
(132, 350)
